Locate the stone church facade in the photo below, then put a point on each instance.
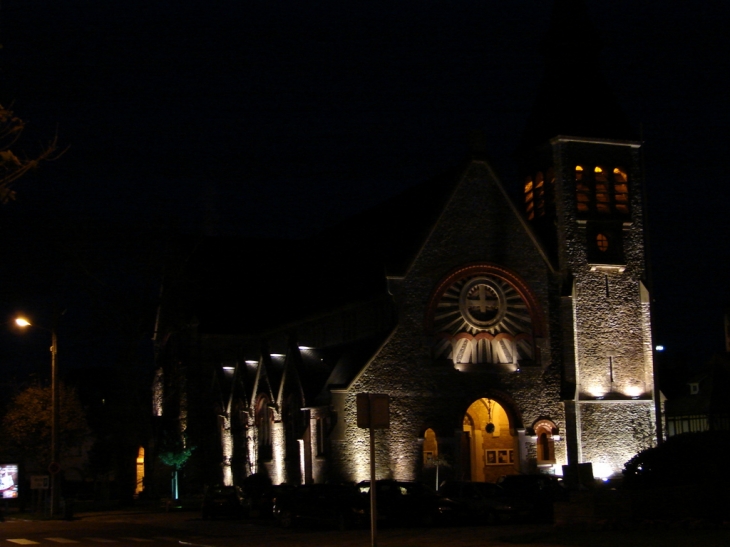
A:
(512, 334)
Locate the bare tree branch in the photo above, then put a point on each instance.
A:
(11, 166)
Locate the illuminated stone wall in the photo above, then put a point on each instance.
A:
(614, 432)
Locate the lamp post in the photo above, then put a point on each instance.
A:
(54, 466)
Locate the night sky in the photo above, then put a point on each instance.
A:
(277, 119)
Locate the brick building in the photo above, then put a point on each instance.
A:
(508, 321)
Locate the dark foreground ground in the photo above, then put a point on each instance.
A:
(154, 525)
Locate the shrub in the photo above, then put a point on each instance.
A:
(690, 458)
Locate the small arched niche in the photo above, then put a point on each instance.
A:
(545, 431)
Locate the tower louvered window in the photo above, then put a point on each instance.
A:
(601, 192)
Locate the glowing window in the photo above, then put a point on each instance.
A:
(602, 242)
(140, 472)
(621, 190)
(529, 198)
(540, 194)
(619, 175)
(582, 191)
(601, 191)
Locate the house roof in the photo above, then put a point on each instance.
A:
(710, 396)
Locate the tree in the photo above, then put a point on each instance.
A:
(175, 452)
(437, 463)
(26, 426)
(13, 167)
(681, 460)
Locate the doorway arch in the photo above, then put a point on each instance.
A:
(493, 450)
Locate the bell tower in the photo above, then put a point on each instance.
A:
(582, 190)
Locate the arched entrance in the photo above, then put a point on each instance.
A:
(493, 448)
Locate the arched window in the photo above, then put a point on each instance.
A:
(544, 431)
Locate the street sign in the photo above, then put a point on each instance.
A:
(54, 468)
(373, 410)
(39, 482)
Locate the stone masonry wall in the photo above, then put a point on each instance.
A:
(612, 324)
(613, 432)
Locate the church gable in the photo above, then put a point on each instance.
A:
(478, 286)
(479, 223)
(475, 294)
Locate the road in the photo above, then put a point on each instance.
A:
(137, 529)
(187, 529)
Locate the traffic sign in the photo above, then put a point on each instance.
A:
(39, 482)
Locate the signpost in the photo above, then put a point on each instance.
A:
(373, 412)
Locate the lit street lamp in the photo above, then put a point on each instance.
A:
(54, 467)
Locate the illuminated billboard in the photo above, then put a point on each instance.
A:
(9, 480)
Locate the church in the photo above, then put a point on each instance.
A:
(507, 321)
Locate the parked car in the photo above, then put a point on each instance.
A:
(339, 505)
(483, 502)
(260, 502)
(540, 491)
(409, 503)
(222, 501)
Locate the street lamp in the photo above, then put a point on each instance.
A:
(54, 467)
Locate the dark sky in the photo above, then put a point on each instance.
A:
(271, 118)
